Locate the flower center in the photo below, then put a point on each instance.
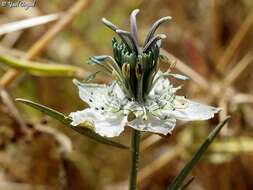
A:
(138, 68)
(134, 66)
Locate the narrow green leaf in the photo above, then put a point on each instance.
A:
(40, 69)
(189, 166)
(187, 183)
(87, 131)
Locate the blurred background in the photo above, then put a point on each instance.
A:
(211, 42)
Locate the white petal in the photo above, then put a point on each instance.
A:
(93, 94)
(106, 124)
(80, 117)
(162, 86)
(111, 128)
(101, 96)
(153, 124)
(117, 91)
(193, 111)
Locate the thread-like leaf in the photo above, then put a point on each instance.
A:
(84, 130)
(40, 69)
(176, 184)
(187, 183)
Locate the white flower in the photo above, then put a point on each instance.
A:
(105, 112)
(141, 97)
(110, 110)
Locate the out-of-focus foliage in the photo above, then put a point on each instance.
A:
(40, 69)
(209, 36)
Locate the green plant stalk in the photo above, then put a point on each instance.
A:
(40, 69)
(135, 151)
(203, 148)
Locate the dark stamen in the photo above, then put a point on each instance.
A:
(134, 25)
(152, 41)
(130, 37)
(114, 28)
(154, 28)
(109, 24)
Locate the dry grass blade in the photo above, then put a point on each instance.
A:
(182, 67)
(236, 41)
(238, 69)
(7, 100)
(64, 141)
(149, 141)
(216, 26)
(27, 23)
(9, 185)
(9, 40)
(242, 98)
(159, 163)
(11, 51)
(42, 43)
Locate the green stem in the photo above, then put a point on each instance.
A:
(135, 159)
(40, 69)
